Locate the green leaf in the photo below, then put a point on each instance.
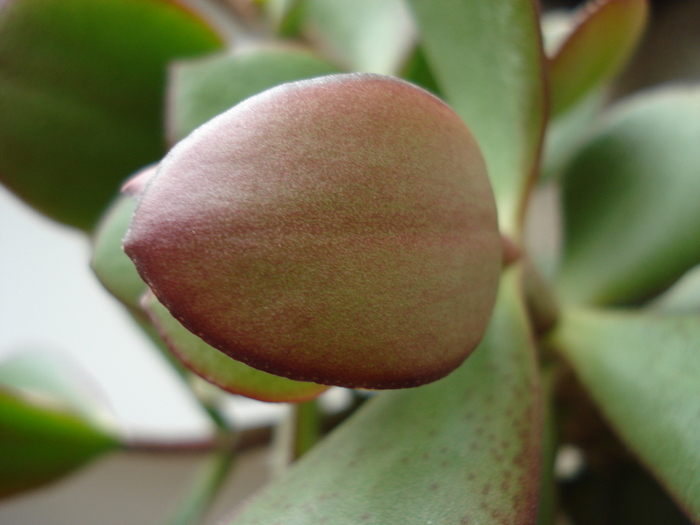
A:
(50, 423)
(216, 367)
(82, 95)
(632, 219)
(201, 89)
(683, 296)
(370, 36)
(111, 265)
(465, 449)
(642, 370)
(596, 50)
(487, 59)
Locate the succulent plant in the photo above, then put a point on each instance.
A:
(338, 193)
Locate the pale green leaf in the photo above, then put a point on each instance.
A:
(488, 61)
(642, 370)
(370, 36)
(201, 89)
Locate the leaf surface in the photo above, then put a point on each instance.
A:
(642, 370)
(631, 194)
(369, 36)
(488, 61)
(82, 94)
(465, 449)
(219, 369)
(595, 51)
(50, 423)
(201, 89)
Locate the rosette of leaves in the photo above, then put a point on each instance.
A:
(475, 446)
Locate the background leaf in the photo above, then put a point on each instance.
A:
(216, 367)
(465, 449)
(50, 423)
(598, 47)
(643, 370)
(201, 89)
(82, 94)
(492, 76)
(369, 36)
(632, 219)
(683, 296)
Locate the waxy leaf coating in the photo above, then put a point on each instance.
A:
(340, 231)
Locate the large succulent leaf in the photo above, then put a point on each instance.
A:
(201, 89)
(219, 369)
(642, 370)
(465, 449)
(597, 48)
(632, 219)
(82, 94)
(492, 75)
(371, 36)
(50, 424)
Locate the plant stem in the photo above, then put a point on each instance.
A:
(307, 427)
(209, 480)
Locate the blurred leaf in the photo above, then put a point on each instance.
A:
(54, 378)
(643, 371)
(369, 36)
(50, 423)
(597, 48)
(216, 367)
(567, 133)
(418, 72)
(632, 219)
(113, 268)
(82, 94)
(465, 449)
(492, 75)
(201, 89)
(683, 296)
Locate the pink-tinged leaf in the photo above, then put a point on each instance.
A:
(340, 230)
(221, 370)
(604, 38)
(463, 450)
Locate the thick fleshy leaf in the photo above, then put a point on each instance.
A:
(113, 268)
(632, 220)
(49, 423)
(327, 230)
(82, 93)
(642, 370)
(201, 89)
(488, 61)
(370, 36)
(221, 370)
(606, 34)
(465, 449)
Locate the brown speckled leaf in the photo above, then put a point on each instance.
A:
(463, 450)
